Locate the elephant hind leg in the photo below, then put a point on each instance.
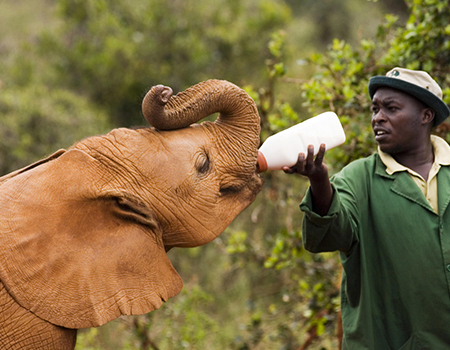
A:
(21, 329)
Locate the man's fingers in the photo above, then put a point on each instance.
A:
(300, 166)
(306, 164)
(310, 157)
(320, 154)
(301, 158)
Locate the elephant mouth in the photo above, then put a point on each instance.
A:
(259, 182)
(253, 185)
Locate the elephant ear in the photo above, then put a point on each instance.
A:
(76, 253)
(31, 166)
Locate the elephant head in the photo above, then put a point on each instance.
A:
(84, 233)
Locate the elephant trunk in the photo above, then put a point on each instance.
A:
(237, 111)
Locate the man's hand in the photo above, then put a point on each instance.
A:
(307, 166)
(317, 173)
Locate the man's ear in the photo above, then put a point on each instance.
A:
(428, 115)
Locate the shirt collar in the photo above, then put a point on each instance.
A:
(441, 156)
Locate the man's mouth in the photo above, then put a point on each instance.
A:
(380, 134)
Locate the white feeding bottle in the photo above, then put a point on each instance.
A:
(282, 149)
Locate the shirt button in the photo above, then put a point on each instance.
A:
(448, 267)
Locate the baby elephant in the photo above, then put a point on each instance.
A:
(84, 233)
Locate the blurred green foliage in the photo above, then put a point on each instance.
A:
(57, 118)
(254, 287)
(127, 46)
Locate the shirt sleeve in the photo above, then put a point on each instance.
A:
(331, 232)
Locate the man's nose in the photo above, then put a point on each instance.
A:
(378, 117)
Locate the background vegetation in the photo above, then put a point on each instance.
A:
(74, 68)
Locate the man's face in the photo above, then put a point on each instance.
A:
(397, 121)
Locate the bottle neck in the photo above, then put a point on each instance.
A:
(261, 165)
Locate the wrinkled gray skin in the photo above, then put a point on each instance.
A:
(84, 233)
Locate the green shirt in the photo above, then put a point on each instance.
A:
(395, 251)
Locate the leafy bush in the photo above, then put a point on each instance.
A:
(37, 121)
(113, 51)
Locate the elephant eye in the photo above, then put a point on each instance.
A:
(203, 163)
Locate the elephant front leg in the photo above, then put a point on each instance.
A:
(22, 330)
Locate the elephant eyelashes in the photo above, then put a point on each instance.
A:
(203, 163)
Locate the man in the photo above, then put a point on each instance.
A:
(389, 216)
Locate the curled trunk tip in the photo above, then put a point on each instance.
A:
(167, 112)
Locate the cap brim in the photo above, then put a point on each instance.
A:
(431, 100)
